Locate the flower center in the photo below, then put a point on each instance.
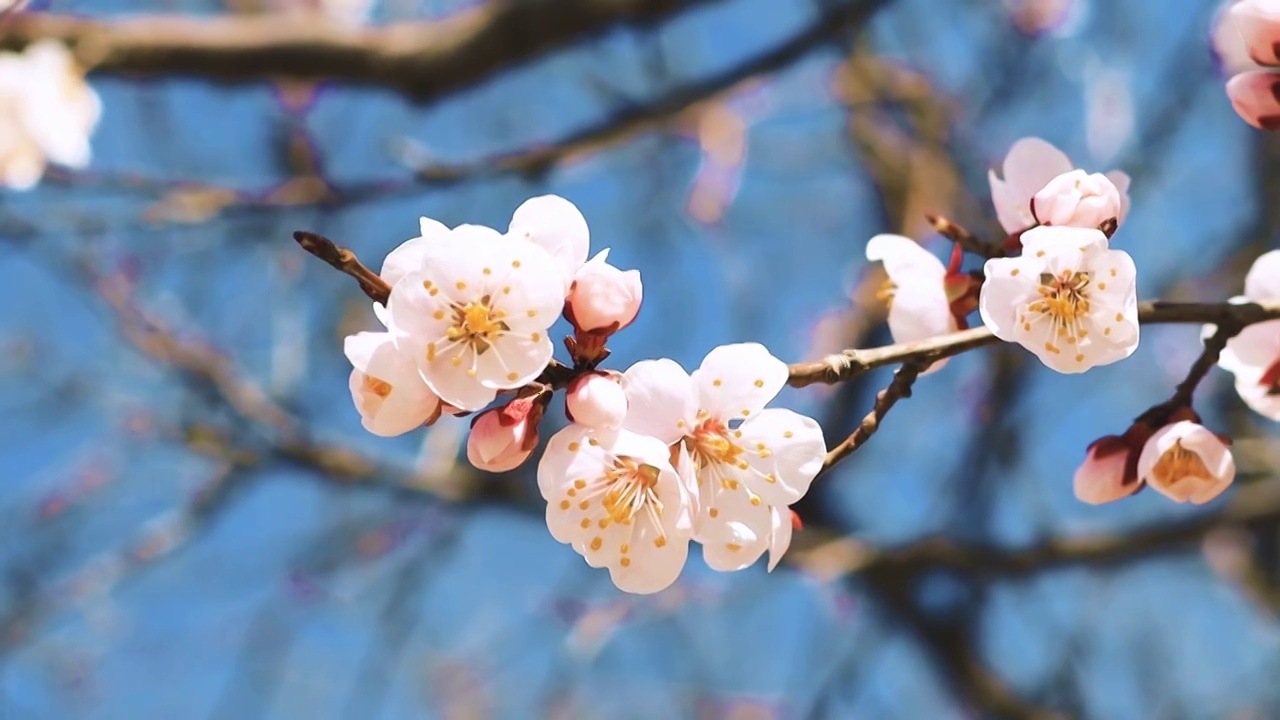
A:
(1178, 465)
(1064, 299)
(710, 443)
(632, 486)
(477, 323)
(377, 386)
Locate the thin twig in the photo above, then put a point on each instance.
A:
(345, 261)
(898, 389)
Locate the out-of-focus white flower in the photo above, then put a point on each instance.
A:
(47, 113)
(1253, 355)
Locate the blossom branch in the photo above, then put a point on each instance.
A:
(843, 366)
(897, 390)
(425, 61)
(345, 261)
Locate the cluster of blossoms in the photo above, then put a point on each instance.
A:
(1247, 41)
(652, 458)
(1056, 287)
(47, 113)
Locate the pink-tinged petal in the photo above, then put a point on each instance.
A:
(1258, 395)
(1255, 98)
(1030, 164)
(558, 226)
(1077, 199)
(736, 381)
(784, 451)
(660, 399)
(1262, 283)
(780, 539)
(1258, 22)
(1121, 180)
(1228, 45)
(1101, 477)
(385, 386)
(597, 399)
(1254, 350)
(1186, 462)
(603, 296)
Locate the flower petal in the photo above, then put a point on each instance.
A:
(736, 381)
(453, 373)
(385, 386)
(660, 399)
(780, 538)
(1262, 283)
(785, 450)
(558, 226)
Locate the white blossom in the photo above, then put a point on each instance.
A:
(615, 497)
(749, 462)
(1069, 299)
(1253, 355)
(916, 292)
(476, 312)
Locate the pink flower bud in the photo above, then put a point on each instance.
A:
(1186, 462)
(603, 298)
(1258, 22)
(1077, 199)
(1255, 95)
(503, 438)
(1106, 475)
(596, 400)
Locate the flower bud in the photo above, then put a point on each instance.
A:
(1077, 199)
(1258, 22)
(1255, 95)
(1106, 475)
(596, 400)
(1186, 462)
(602, 297)
(503, 438)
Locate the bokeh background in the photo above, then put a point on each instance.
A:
(196, 526)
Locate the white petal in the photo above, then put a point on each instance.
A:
(1052, 239)
(736, 381)
(513, 360)
(1262, 283)
(905, 261)
(408, 256)
(415, 315)
(1009, 287)
(385, 386)
(660, 399)
(1030, 164)
(1258, 396)
(558, 226)
(743, 535)
(1121, 180)
(1254, 350)
(453, 374)
(784, 450)
(525, 285)
(780, 539)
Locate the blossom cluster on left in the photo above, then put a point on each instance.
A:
(47, 113)
(653, 458)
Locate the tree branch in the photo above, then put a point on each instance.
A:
(842, 366)
(899, 389)
(425, 61)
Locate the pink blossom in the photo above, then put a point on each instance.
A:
(1187, 463)
(1253, 355)
(1104, 476)
(1029, 166)
(1258, 22)
(1077, 199)
(503, 438)
(602, 297)
(1256, 99)
(596, 400)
